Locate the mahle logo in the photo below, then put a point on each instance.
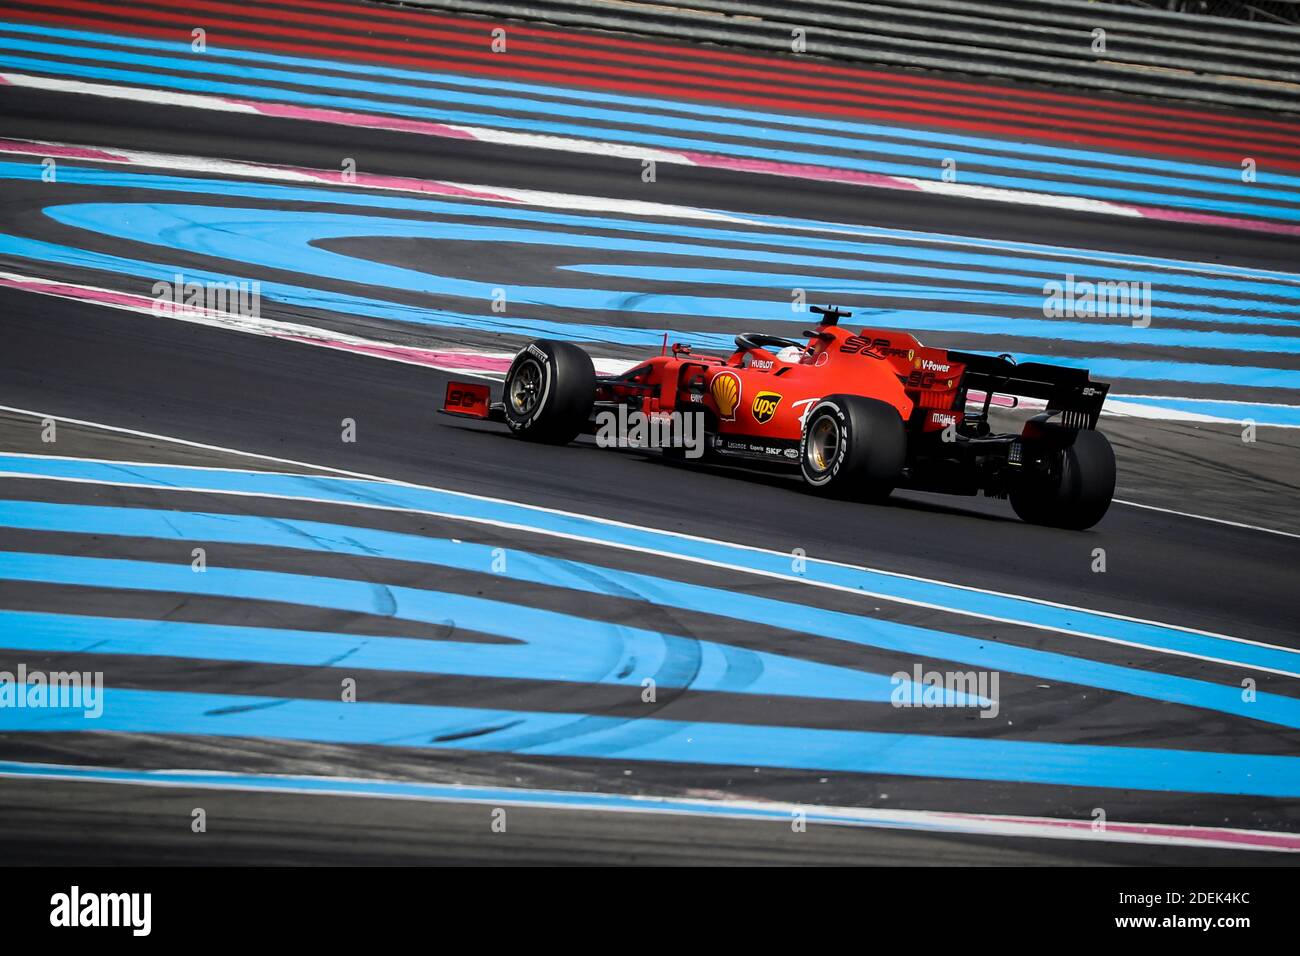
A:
(765, 405)
(726, 394)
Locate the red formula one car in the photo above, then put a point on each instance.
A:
(857, 414)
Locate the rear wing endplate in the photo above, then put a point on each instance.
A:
(1068, 391)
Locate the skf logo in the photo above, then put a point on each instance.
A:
(765, 405)
(725, 390)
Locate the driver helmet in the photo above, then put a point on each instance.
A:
(791, 354)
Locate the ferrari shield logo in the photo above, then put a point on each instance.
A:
(725, 390)
(765, 405)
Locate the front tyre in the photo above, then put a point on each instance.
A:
(1077, 493)
(852, 447)
(549, 392)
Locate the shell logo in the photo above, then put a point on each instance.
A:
(725, 390)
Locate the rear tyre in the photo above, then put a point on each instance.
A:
(549, 392)
(852, 447)
(1077, 494)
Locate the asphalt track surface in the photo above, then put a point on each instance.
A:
(762, 699)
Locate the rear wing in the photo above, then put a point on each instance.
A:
(1068, 391)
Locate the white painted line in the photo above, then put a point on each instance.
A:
(468, 362)
(941, 821)
(471, 363)
(135, 94)
(303, 175)
(654, 552)
(1223, 521)
(1116, 407)
(1000, 194)
(813, 172)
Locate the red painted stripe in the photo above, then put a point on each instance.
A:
(940, 103)
(1261, 838)
(570, 54)
(899, 117)
(807, 71)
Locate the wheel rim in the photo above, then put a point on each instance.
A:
(823, 444)
(526, 387)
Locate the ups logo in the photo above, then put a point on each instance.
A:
(765, 405)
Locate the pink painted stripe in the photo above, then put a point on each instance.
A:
(404, 183)
(467, 361)
(1248, 838)
(798, 170)
(354, 119)
(68, 152)
(709, 160)
(740, 164)
(1209, 219)
(412, 354)
(407, 183)
(78, 292)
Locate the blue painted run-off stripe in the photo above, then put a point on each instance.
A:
(496, 796)
(36, 250)
(1121, 368)
(352, 490)
(640, 110)
(530, 733)
(293, 242)
(647, 138)
(562, 655)
(852, 254)
(554, 658)
(1236, 412)
(552, 645)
